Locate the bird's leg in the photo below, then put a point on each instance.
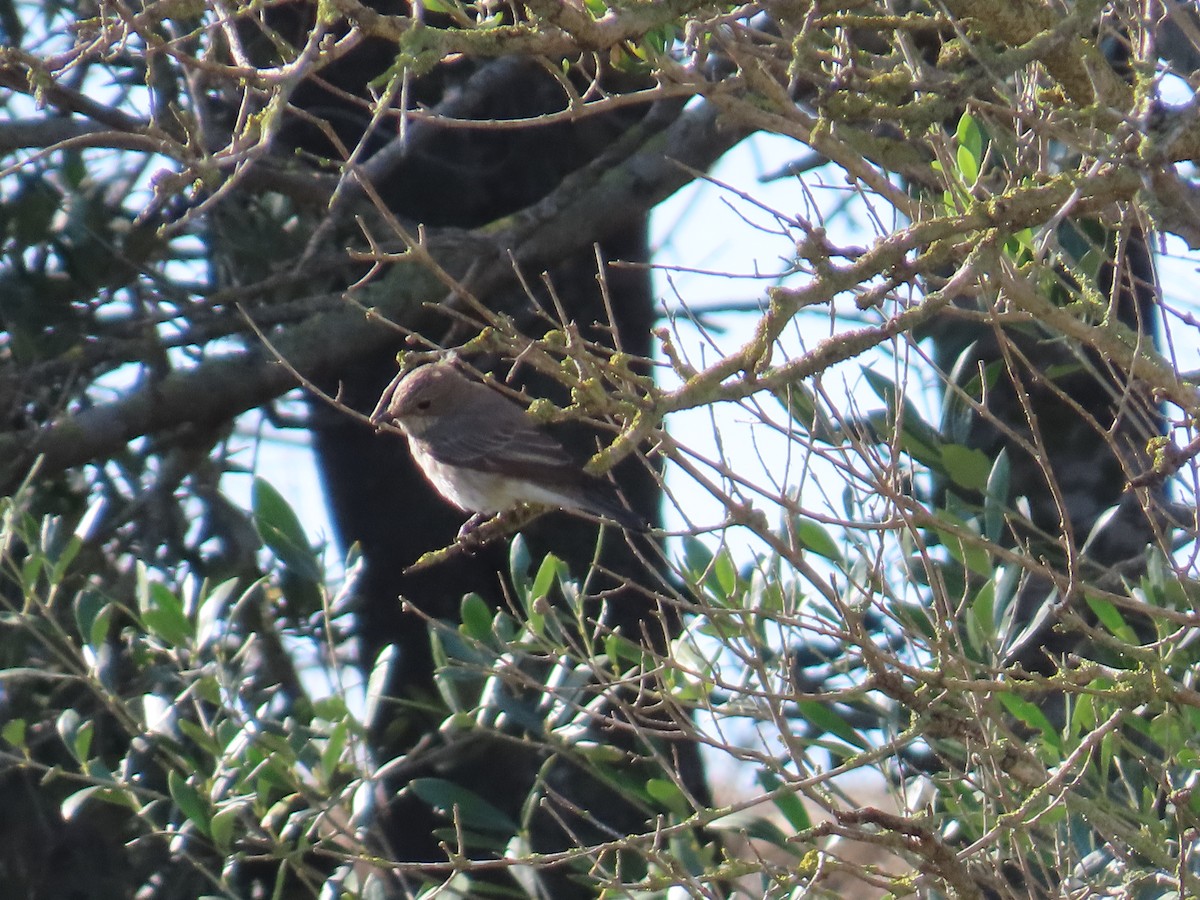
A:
(470, 525)
(482, 528)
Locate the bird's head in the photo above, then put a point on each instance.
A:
(415, 401)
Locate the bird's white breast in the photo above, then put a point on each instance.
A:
(474, 490)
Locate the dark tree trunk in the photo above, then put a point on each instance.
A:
(466, 179)
(1075, 432)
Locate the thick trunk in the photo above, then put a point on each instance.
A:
(378, 499)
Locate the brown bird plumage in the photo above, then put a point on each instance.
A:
(483, 452)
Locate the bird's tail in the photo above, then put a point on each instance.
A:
(599, 503)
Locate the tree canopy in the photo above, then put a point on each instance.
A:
(950, 435)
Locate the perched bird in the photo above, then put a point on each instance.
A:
(483, 452)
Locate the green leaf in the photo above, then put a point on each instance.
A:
(164, 617)
(801, 404)
(980, 622)
(208, 689)
(970, 148)
(65, 557)
(446, 678)
(970, 134)
(725, 573)
(968, 166)
(1019, 247)
(1083, 714)
(983, 607)
(1110, 617)
(201, 737)
(476, 617)
(519, 561)
(105, 794)
(302, 593)
(76, 733)
(697, 558)
(958, 416)
(74, 802)
(622, 653)
(966, 467)
(769, 595)
(995, 498)
(547, 572)
(916, 617)
(96, 770)
(658, 39)
(667, 794)
(716, 573)
(212, 610)
(189, 801)
(820, 715)
(13, 732)
(812, 536)
(789, 804)
(221, 826)
(473, 811)
(331, 755)
(280, 529)
(31, 570)
(1030, 714)
(884, 387)
(535, 619)
(377, 683)
(971, 554)
(917, 438)
(93, 613)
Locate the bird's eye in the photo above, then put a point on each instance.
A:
(424, 404)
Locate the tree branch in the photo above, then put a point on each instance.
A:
(597, 200)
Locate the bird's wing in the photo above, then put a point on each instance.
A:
(511, 445)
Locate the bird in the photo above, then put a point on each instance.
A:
(483, 452)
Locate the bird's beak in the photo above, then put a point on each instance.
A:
(380, 417)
